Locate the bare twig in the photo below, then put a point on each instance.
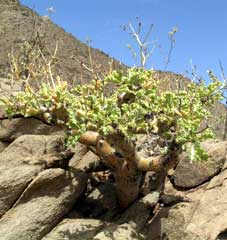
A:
(143, 44)
(172, 44)
(196, 76)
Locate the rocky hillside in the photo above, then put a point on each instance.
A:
(51, 192)
(19, 23)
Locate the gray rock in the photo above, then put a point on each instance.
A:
(204, 218)
(79, 151)
(10, 129)
(34, 145)
(42, 205)
(209, 218)
(84, 160)
(21, 162)
(190, 175)
(170, 223)
(13, 181)
(75, 229)
(122, 232)
(140, 211)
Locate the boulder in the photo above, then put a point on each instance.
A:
(170, 223)
(13, 181)
(28, 146)
(10, 129)
(204, 218)
(139, 212)
(43, 204)
(122, 232)
(75, 229)
(79, 151)
(191, 174)
(21, 162)
(85, 161)
(209, 218)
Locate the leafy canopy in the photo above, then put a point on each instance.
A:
(137, 104)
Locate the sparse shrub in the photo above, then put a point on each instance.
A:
(111, 122)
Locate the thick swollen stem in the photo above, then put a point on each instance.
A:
(127, 163)
(102, 147)
(107, 153)
(89, 138)
(154, 164)
(128, 177)
(128, 180)
(160, 162)
(126, 146)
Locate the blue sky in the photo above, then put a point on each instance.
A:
(201, 36)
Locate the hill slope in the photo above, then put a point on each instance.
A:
(18, 23)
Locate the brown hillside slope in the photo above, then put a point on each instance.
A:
(18, 24)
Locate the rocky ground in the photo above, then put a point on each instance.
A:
(50, 192)
(53, 193)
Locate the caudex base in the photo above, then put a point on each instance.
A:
(128, 164)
